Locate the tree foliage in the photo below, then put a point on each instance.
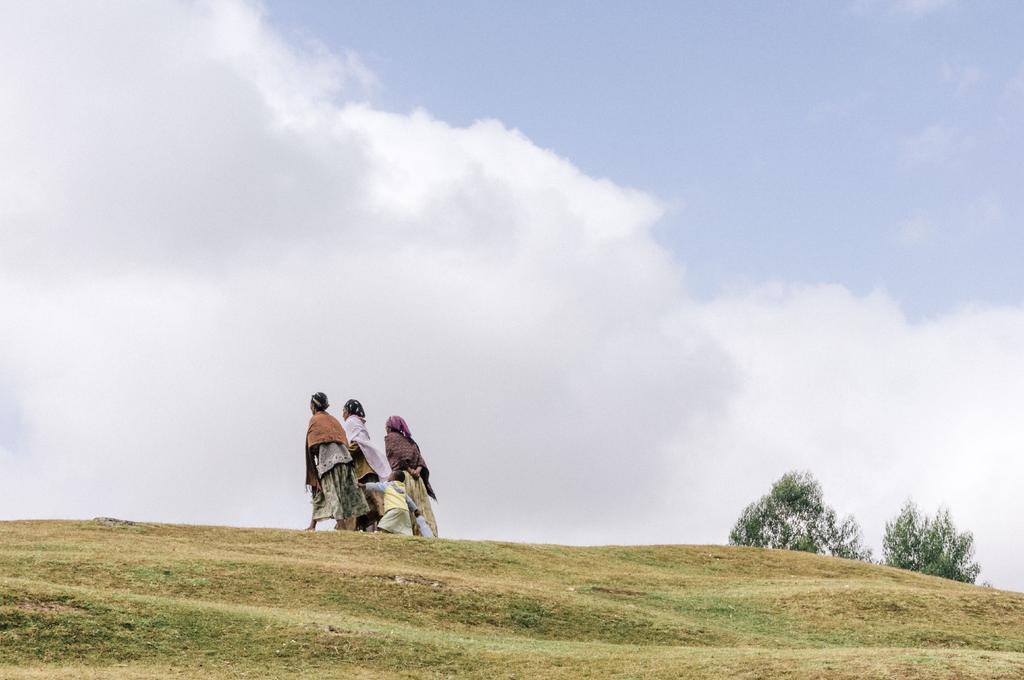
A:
(929, 545)
(794, 516)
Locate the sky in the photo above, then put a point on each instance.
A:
(869, 144)
(619, 266)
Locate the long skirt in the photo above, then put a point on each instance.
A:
(417, 490)
(364, 473)
(338, 496)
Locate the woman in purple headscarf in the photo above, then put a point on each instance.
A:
(404, 454)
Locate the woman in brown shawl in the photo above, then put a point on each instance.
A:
(404, 454)
(329, 472)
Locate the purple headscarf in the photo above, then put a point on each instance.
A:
(398, 424)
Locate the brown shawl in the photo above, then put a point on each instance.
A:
(404, 454)
(323, 429)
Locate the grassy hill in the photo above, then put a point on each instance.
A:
(83, 600)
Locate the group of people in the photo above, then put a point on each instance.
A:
(357, 485)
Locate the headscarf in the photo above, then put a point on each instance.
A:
(404, 453)
(398, 424)
(320, 401)
(355, 408)
(355, 428)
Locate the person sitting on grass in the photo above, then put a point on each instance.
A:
(404, 454)
(399, 508)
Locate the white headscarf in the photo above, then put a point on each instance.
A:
(355, 428)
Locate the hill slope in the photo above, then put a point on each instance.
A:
(78, 599)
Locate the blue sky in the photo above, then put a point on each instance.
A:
(875, 144)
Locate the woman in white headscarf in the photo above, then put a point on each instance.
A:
(370, 463)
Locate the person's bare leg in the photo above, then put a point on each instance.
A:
(312, 525)
(347, 524)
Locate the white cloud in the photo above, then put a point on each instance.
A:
(972, 220)
(1013, 89)
(198, 232)
(984, 213)
(963, 78)
(915, 231)
(921, 7)
(838, 110)
(878, 407)
(914, 9)
(937, 143)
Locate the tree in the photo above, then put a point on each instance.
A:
(793, 516)
(929, 545)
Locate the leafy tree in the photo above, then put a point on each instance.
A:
(929, 545)
(794, 516)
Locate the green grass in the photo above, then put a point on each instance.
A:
(81, 600)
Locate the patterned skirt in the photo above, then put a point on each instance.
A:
(417, 491)
(338, 496)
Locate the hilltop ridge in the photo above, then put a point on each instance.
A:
(86, 599)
